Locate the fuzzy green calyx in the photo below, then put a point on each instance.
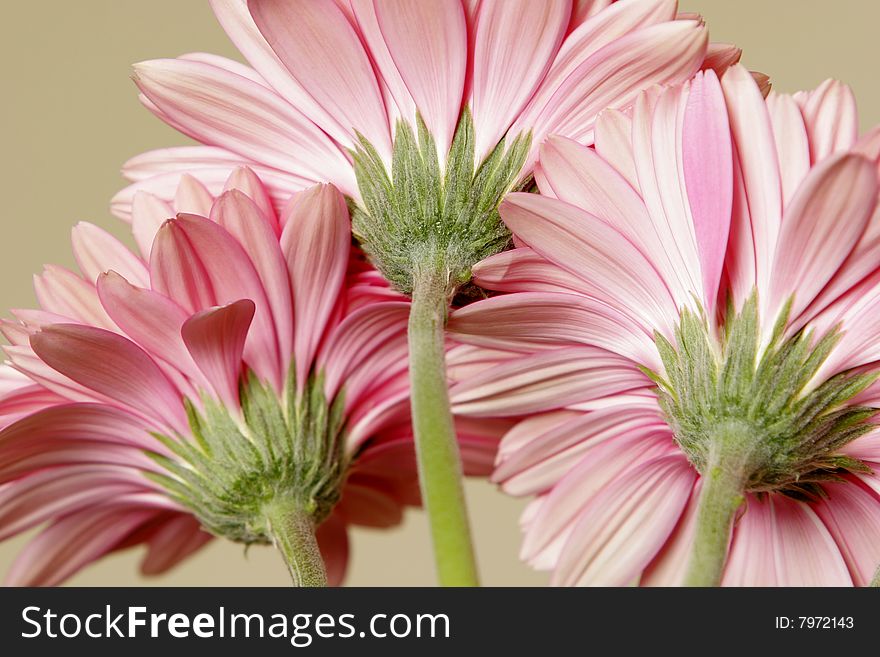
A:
(236, 469)
(787, 437)
(422, 216)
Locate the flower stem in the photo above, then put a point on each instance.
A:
(439, 462)
(293, 533)
(723, 483)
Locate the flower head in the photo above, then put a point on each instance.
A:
(239, 361)
(696, 301)
(425, 113)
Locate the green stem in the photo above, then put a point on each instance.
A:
(439, 462)
(293, 533)
(723, 482)
(876, 581)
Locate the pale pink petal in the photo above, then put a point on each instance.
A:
(761, 187)
(236, 20)
(323, 54)
(523, 270)
(617, 272)
(316, 243)
(852, 515)
(255, 232)
(222, 109)
(550, 455)
(192, 197)
(613, 141)
(782, 542)
(658, 124)
(623, 527)
(148, 213)
(97, 251)
(814, 242)
(113, 366)
(515, 42)
(544, 381)
(280, 185)
(611, 77)
(831, 118)
(178, 158)
(215, 339)
(669, 567)
(531, 321)
(62, 292)
(792, 144)
(708, 176)
(427, 42)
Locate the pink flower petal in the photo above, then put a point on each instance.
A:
(323, 53)
(814, 242)
(199, 264)
(332, 536)
(192, 197)
(222, 109)
(113, 366)
(547, 459)
(708, 175)
(760, 182)
(781, 542)
(623, 527)
(427, 42)
(617, 272)
(316, 241)
(174, 540)
(614, 142)
(852, 515)
(248, 183)
(514, 45)
(531, 321)
(215, 339)
(248, 224)
(660, 54)
(97, 251)
(148, 213)
(62, 292)
(831, 118)
(523, 270)
(792, 144)
(544, 381)
(73, 542)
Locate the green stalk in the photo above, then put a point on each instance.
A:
(723, 484)
(876, 581)
(439, 462)
(293, 533)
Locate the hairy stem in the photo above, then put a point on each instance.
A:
(723, 483)
(439, 462)
(293, 533)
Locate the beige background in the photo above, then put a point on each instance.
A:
(69, 117)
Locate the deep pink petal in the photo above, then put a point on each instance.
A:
(215, 339)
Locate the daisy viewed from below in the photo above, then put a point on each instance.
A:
(696, 302)
(245, 374)
(425, 114)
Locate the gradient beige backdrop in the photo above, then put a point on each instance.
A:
(69, 116)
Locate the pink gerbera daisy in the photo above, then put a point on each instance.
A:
(244, 375)
(697, 300)
(425, 114)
